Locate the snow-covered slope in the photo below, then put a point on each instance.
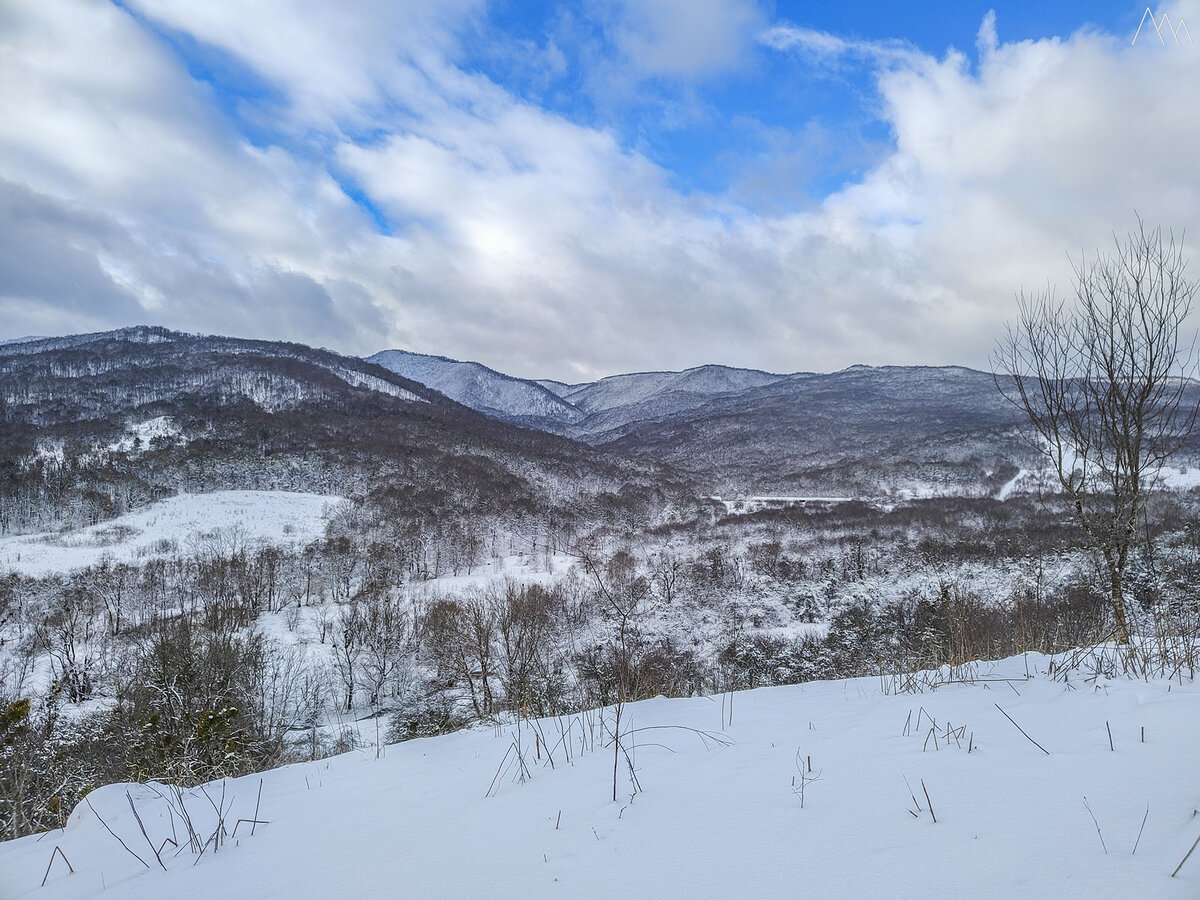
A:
(578, 410)
(559, 388)
(482, 389)
(175, 525)
(829, 789)
(263, 415)
(701, 383)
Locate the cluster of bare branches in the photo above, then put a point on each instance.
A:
(1103, 385)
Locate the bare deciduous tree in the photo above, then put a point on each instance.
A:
(1102, 385)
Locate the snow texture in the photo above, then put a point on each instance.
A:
(177, 524)
(359, 379)
(452, 817)
(478, 387)
(139, 435)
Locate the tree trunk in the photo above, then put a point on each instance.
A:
(1118, 605)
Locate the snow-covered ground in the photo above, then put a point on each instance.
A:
(175, 525)
(758, 504)
(1181, 477)
(139, 435)
(728, 807)
(1011, 485)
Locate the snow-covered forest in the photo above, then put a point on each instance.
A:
(150, 651)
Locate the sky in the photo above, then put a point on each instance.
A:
(571, 190)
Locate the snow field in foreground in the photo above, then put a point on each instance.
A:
(171, 526)
(711, 820)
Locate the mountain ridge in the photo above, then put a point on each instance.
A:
(252, 414)
(862, 430)
(576, 410)
(479, 387)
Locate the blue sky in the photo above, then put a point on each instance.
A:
(716, 126)
(725, 127)
(571, 190)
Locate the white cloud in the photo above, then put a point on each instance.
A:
(825, 48)
(99, 124)
(987, 40)
(1047, 148)
(539, 245)
(334, 62)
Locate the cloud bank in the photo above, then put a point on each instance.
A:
(349, 176)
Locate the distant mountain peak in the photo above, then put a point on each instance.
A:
(639, 387)
(481, 388)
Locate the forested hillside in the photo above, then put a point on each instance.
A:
(236, 414)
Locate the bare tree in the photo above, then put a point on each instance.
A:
(387, 641)
(1102, 385)
(347, 647)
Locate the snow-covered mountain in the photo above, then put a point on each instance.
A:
(585, 411)
(686, 387)
(864, 431)
(559, 388)
(577, 410)
(482, 389)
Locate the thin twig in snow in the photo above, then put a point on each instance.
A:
(1022, 730)
(88, 801)
(57, 852)
(1093, 815)
(1185, 858)
(1140, 830)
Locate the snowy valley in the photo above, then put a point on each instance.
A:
(464, 656)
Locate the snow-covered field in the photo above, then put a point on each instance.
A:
(1175, 477)
(175, 525)
(726, 813)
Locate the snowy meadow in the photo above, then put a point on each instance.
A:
(985, 778)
